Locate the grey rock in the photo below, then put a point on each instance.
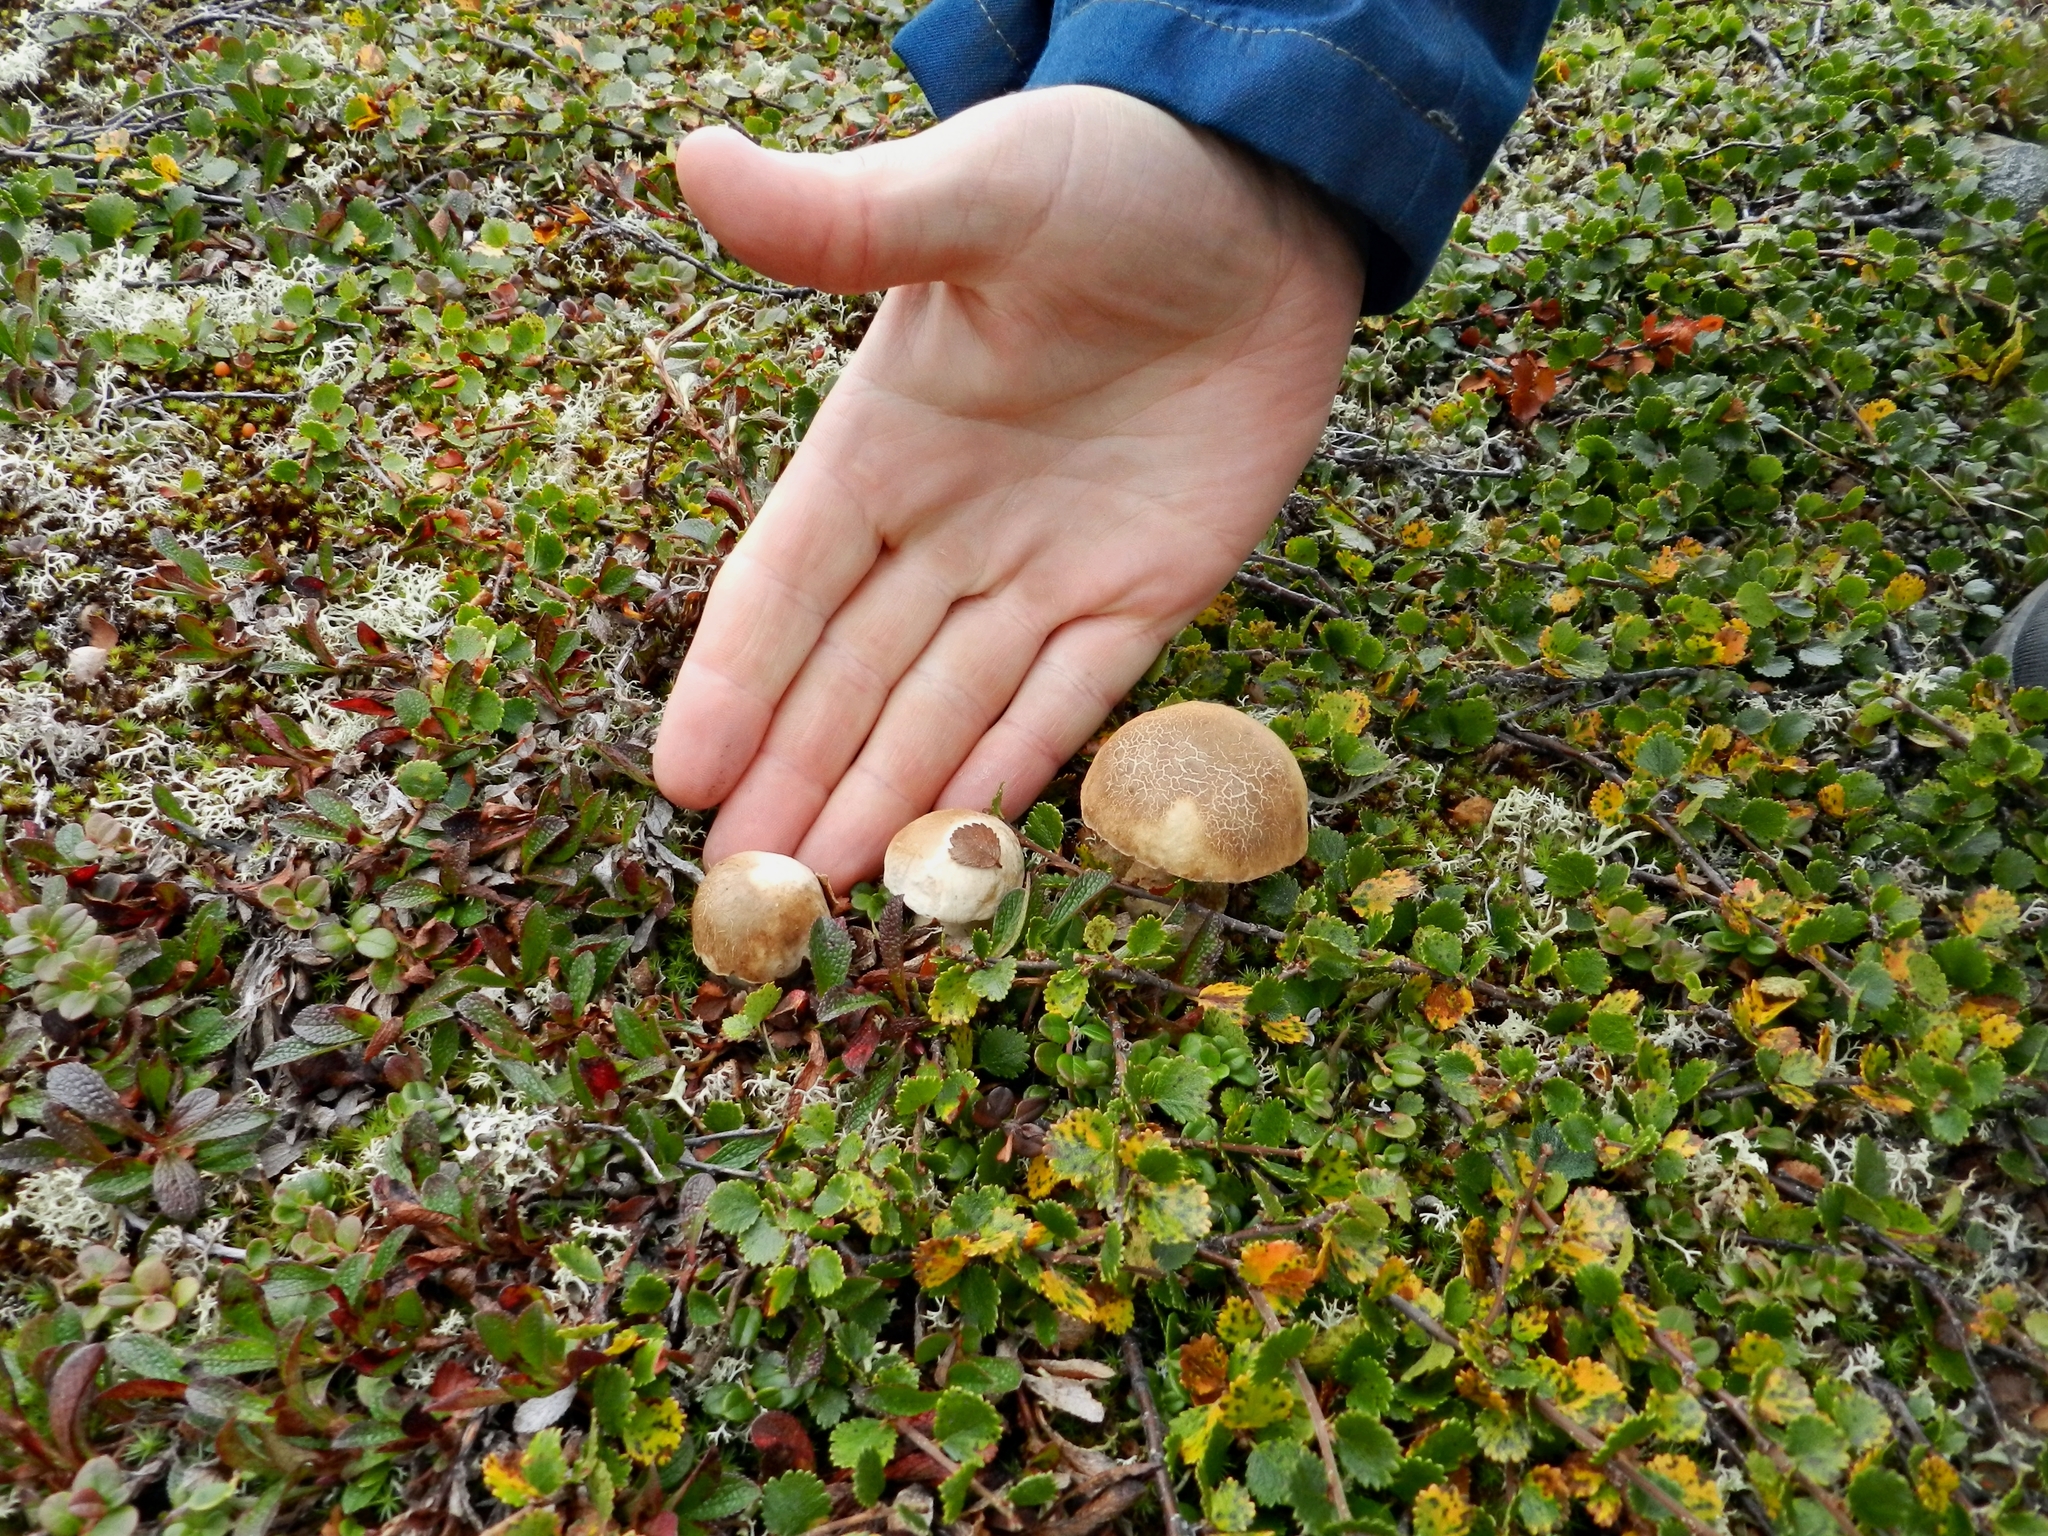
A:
(2016, 169)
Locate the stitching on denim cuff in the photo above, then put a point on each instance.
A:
(1015, 57)
(1437, 118)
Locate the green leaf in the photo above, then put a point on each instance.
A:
(793, 1503)
(1881, 1500)
(1584, 970)
(985, 1375)
(1837, 924)
(1662, 756)
(1442, 952)
(422, 779)
(1366, 1449)
(1817, 1448)
(965, 1422)
(733, 1207)
(1270, 1363)
(853, 1438)
(1179, 1085)
(1039, 1488)
(1002, 1051)
(825, 1271)
(831, 953)
(1045, 826)
(1172, 1213)
(579, 1261)
(110, 216)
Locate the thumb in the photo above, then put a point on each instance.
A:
(924, 209)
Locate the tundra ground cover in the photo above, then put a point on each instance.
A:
(1630, 1112)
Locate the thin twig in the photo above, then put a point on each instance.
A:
(1155, 1435)
(1317, 1422)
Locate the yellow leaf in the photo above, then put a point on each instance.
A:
(1249, 1404)
(938, 1259)
(1935, 1482)
(1566, 600)
(1754, 1008)
(1608, 803)
(1699, 1494)
(1903, 591)
(1379, 895)
(1280, 1269)
(1225, 997)
(1446, 1006)
(507, 1485)
(1870, 415)
(111, 145)
(1064, 1294)
(1440, 1510)
(1237, 1321)
(1348, 711)
(1595, 1230)
(1832, 800)
(1781, 1395)
(1990, 914)
(1039, 1177)
(166, 167)
(1287, 1031)
(1113, 1309)
(653, 1429)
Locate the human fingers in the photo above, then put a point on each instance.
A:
(827, 713)
(1078, 676)
(810, 545)
(932, 720)
(907, 211)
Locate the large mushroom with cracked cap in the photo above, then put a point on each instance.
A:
(954, 867)
(1198, 792)
(753, 914)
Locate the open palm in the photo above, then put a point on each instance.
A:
(1109, 346)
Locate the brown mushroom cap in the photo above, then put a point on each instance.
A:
(753, 914)
(1200, 791)
(955, 866)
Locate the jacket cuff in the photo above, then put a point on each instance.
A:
(1393, 110)
(966, 51)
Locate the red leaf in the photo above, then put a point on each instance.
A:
(860, 1050)
(142, 1391)
(1547, 312)
(782, 1442)
(363, 705)
(602, 1076)
(70, 1395)
(1533, 384)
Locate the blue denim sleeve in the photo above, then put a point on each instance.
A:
(1393, 108)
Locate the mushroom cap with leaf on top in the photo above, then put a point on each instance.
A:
(753, 914)
(1199, 791)
(954, 866)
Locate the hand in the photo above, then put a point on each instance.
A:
(1108, 348)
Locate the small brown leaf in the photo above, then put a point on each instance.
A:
(782, 1442)
(1204, 1368)
(975, 846)
(1472, 813)
(176, 1186)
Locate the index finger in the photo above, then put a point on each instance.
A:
(807, 549)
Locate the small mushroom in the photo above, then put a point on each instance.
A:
(753, 914)
(955, 867)
(1198, 792)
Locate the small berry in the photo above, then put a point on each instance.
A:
(220, 370)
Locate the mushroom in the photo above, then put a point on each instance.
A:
(753, 914)
(955, 867)
(1198, 792)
